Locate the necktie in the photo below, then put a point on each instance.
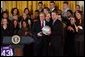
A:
(42, 24)
(53, 22)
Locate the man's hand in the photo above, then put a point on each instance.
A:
(70, 28)
(39, 34)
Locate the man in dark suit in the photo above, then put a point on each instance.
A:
(39, 38)
(64, 12)
(56, 36)
(53, 6)
(40, 7)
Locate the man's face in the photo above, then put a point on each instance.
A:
(40, 6)
(65, 6)
(54, 16)
(68, 14)
(42, 16)
(72, 20)
(52, 5)
(36, 14)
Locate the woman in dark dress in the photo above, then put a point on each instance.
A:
(5, 15)
(5, 29)
(25, 31)
(80, 33)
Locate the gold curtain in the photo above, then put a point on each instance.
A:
(33, 5)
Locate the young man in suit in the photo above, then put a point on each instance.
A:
(65, 9)
(56, 36)
(64, 12)
(53, 6)
(40, 7)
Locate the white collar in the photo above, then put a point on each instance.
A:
(66, 9)
(4, 26)
(43, 22)
(52, 9)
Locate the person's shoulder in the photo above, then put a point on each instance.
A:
(59, 22)
(37, 21)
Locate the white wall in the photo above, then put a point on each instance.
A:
(81, 3)
(1, 4)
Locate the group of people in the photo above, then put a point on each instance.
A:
(64, 26)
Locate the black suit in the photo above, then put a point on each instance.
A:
(36, 27)
(56, 38)
(40, 41)
(69, 47)
(40, 10)
(55, 9)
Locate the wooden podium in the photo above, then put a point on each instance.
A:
(17, 43)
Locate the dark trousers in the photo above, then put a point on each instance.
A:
(69, 48)
(56, 48)
(28, 50)
(41, 46)
(37, 48)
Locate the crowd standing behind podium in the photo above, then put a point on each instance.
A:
(64, 26)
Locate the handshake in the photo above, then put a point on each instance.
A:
(46, 30)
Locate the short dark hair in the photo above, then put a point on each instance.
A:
(13, 10)
(70, 11)
(47, 9)
(55, 12)
(65, 3)
(52, 2)
(36, 10)
(40, 3)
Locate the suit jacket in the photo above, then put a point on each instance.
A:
(36, 28)
(55, 9)
(57, 33)
(40, 10)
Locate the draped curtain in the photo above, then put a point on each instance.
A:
(33, 5)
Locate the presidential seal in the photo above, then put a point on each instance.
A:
(15, 39)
